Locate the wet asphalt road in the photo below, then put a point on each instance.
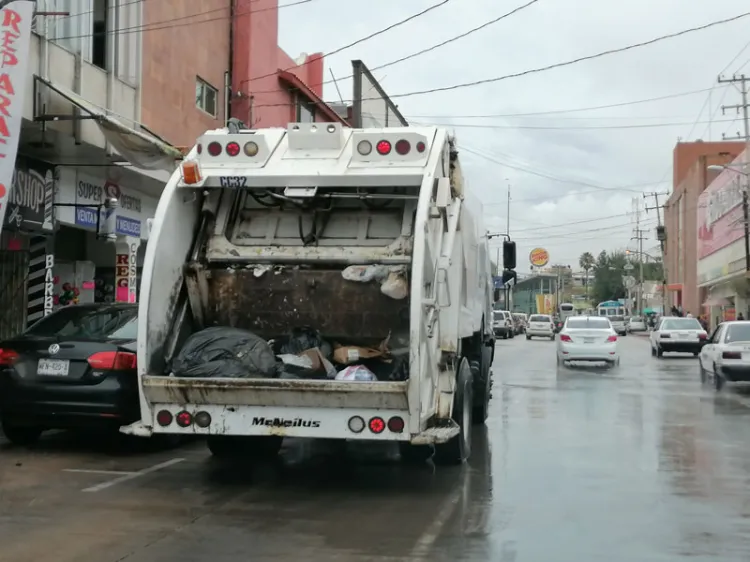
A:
(634, 464)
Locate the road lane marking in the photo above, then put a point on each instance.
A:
(131, 476)
(93, 471)
(423, 546)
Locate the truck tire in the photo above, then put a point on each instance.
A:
(458, 449)
(481, 372)
(251, 447)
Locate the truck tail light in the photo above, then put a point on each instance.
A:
(403, 147)
(164, 418)
(383, 147)
(184, 419)
(377, 425)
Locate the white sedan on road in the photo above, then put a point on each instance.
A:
(675, 333)
(588, 338)
(726, 355)
(636, 324)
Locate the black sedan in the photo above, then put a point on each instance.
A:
(73, 369)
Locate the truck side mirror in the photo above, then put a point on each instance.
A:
(509, 254)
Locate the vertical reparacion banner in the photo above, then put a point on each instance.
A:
(15, 38)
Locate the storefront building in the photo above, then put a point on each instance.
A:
(89, 266)
(722, 273)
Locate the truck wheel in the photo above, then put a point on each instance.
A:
(414, 454)
(20, 434)
(253, 447)
(481, 373)
(458, 449)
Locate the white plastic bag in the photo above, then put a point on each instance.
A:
(364, 273)
(395, 287)
(356, 373)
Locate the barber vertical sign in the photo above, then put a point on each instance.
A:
(15, 36)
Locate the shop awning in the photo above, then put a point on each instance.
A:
(717, 301)
(140, 148)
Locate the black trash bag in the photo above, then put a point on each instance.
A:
(225, 352)
(304, 338)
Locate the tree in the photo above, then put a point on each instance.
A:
(586, 262)
(609, 270)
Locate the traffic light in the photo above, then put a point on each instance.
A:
(509, 254)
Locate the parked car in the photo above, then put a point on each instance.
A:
(502, 324)
(675, 333)
(588, 338)
(75, 368)
(540, 325)
(519, 321)
(636, 324)
(726, 355)
(619, 325)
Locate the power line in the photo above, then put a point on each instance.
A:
(575, 110)
(417, 53)
(167, 24)
(566, 128)
(550, 66)
(358, 41)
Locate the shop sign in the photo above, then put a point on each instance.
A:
(91, 192)
(133, 272)
(31, 196)
(49, 284)
(720, 210)
(122, 272)
(128, 227)
(15, 38)
(87, 216)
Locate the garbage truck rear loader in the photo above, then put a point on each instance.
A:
(368, 238)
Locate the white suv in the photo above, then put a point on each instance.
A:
(502, 324)
(541, 326)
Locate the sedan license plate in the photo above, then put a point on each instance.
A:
(684, 336)
(588, 340)
(53, 367)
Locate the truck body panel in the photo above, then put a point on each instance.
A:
(242, 247)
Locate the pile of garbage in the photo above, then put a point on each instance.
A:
(301, 354)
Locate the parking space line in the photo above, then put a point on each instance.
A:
(131, 476)
(93, 471)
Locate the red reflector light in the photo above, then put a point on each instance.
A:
(403, 147)
(612, 338)
(377, 425)
(421, 146)
(396, 424)
(214, 148)
(199, 148)
(702, 336)
(184, 419)
(8, 357)
(383, 147)
(113, 361)
(233, 149)
(164, 418)
(565, 337)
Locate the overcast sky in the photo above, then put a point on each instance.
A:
(560, 173)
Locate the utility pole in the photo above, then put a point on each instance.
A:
(661, 235)
(744, 82)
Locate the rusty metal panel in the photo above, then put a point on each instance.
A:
(275, 302)
(276, 392)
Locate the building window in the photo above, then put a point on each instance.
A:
(305, 111)
(206, 96)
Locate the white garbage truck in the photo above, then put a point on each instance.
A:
(369, 238)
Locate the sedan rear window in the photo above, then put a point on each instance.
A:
(88, 323)
(539, 318)
(737, 332)
(588, 323)
(681, 324)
